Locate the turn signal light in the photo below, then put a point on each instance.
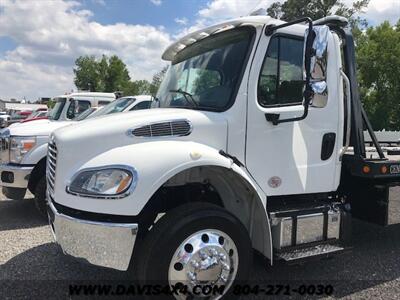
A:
(384, 169)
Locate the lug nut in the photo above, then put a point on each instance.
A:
(191, 276)
(203, 255)
(195, 264)
(226, 267)
(213, 252)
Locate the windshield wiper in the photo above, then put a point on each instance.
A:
(187, 96)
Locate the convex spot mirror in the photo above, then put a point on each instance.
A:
(318, 65)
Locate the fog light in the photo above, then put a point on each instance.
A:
(7, 177)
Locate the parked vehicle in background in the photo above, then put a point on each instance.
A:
(124, 104)
(24, 158)
(36, 115)
(69, 106)
(4, 118)
(257, 142)
(24, 146)
(18, 116)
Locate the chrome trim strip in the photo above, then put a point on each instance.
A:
(124, 194)
(348, 121)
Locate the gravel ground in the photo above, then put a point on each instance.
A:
(33, 267)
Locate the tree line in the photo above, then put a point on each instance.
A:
(377, 52)
(110, 74)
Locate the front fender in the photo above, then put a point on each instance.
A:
(155, 163)
(35, 155)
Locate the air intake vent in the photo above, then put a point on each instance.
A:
(171, 128)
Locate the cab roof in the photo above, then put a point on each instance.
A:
(88, 94)
(198, 35)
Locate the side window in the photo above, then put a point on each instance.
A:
(142, 105)
(281, 78)
(76, 107)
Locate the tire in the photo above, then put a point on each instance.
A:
(40, 196)
(13, 193)
(156, 254)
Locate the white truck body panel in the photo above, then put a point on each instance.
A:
(154, 158)
(291, 152)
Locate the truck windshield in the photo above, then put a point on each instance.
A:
(55, 113)
(206, 74)
(116, 106)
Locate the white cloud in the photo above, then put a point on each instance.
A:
(181, 21)
(381, 10)
(156, 2)
(219, 10)
(51, 34)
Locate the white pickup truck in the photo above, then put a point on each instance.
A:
(25, 144)
(256, 142)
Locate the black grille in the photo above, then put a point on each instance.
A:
(51, 165)
(172, 128)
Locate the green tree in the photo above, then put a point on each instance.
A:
(315, 9)
(378, 58)
(109, 74)
(137, 87)
(86, 73)
(117, 75)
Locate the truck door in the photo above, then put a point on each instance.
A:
(301, 156)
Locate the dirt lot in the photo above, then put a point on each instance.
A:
(33, 267)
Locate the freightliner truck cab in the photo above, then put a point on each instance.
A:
(255, 141)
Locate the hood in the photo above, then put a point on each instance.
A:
(97, 135)
(36, 127)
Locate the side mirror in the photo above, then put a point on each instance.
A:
(315, 63)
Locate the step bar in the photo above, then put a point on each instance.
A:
(308, 252)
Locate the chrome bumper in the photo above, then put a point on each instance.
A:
(20, 175)
(103, 244)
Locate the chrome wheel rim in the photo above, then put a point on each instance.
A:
(203, 262)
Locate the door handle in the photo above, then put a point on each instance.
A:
(328, 145)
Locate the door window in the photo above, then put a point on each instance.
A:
(77, 107)
(281, 79)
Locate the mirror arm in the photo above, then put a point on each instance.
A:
(269, 30)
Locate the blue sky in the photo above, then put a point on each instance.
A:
(40, 39)
(145, 11)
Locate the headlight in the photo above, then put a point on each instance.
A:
(105, 182)
(19, 146)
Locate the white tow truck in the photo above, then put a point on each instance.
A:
(255, 142)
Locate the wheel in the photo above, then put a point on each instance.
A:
(13, 193)
(40, 196)
(194, 246)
